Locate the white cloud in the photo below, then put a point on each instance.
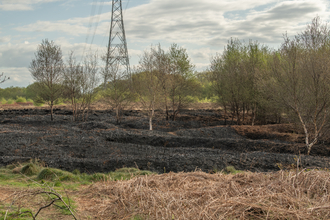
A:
(18, 76)
(199, 22)
(62, 26)
(204, 27)
(21, 5)
(5, 39)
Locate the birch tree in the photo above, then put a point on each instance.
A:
(301, 78)
(47, 69)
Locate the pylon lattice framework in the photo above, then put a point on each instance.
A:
(117, 47)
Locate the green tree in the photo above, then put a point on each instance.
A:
(182, 81)
(300, 77)
(235, 75)
(47, 69)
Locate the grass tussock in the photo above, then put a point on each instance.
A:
(198, 195)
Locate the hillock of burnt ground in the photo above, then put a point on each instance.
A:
(198, 139)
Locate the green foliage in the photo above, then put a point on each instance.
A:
(62, 207)
(137, 217)
(29, 100)
(38, 101)
(30, 169)
(127, 173)
(10, 101)
(53, 174)
(60, 101)
(3, 101)
(76, 172)
(15, 214)
(97, 177)
(21, 99)
(232, 170)
(12, 92)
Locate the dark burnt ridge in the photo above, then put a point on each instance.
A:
(198, 139)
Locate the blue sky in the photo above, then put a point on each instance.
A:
(203, 27)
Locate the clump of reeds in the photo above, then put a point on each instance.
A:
(198, 195)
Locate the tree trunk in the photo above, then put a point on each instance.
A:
(243, 113)
(117, 114)
(51, 111)
(150, 122)
(73, 109)
(254, 110)
(225, 114)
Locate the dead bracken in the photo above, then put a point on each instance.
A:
(198, 195)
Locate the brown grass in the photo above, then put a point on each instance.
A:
(198, 195)
(284, 132)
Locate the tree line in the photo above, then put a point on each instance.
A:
(250, 81)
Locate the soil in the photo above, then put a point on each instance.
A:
(198, 139)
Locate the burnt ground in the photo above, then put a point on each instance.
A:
(198, 139)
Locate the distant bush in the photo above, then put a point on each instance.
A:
(3, 101)
(21, 99)
(29, 100)
(59, 101)
(10, 101)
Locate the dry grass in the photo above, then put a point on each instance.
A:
(198, 195)
(284, 132)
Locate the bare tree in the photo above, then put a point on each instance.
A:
(72, 81)
(47, 69)
(301, 79)
(3, 78)
(89, 82)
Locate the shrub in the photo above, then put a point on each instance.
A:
(59, 101)
(10, 101)
(29, 100)
(3, 101)
(21, 99)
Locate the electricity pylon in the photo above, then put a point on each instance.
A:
(117, 55)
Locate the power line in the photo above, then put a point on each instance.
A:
(126, 6)
(97, 23)
(91, 18)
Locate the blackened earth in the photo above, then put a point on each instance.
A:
(198, 139)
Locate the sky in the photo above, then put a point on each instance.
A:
(202, 27)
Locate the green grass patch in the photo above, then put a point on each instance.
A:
(127, 173)
(232, 170)
(33, 172)
(30, 169)
(56, 174)
(14, 214)
(62, 207)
